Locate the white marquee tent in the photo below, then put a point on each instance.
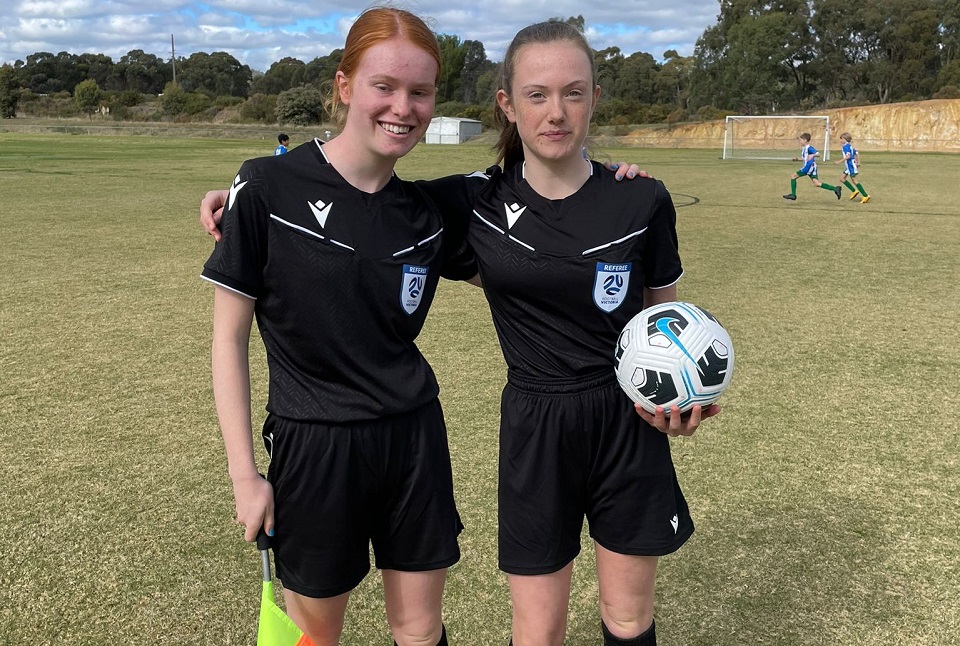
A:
(452, 130)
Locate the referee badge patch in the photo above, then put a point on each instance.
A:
(610, 285)
(411, 288)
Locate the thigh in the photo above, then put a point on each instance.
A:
(320, 619)
(540, 607)
(413, 603)
(627, 586)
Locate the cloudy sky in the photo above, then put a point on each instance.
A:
(259, 32)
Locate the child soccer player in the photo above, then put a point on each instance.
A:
(851, 169)
(283, 145)
(808, 155)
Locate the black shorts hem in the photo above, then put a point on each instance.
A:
(324, 593)
(537, 569)
(664, 550)
(421, 567)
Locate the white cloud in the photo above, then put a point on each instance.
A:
(260, 32)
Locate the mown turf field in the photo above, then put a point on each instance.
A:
(826, 495)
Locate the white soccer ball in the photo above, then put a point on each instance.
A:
(674, 353)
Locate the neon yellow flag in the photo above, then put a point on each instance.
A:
(275, 627)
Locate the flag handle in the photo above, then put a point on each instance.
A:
(263, 544)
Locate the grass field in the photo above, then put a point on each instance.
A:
(826, 495)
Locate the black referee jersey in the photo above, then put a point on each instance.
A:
(342, 280)
(563, 277)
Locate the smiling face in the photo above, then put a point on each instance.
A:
(390, 98)
(551, 100)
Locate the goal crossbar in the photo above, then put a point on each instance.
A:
(774, 137)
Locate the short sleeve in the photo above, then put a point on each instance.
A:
(239, 257)
(454, 196)
(661, 257)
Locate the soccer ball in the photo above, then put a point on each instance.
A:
(674, 353)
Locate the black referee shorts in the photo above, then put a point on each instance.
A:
(337, 488)
(574, 449)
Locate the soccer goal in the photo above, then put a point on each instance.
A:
(774, 137)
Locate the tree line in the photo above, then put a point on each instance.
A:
(761, 57)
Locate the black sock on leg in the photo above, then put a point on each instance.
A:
(646, 638)
(443, 637)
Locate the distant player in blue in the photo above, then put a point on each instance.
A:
(808, 155)
(284, 142)
(851, 169)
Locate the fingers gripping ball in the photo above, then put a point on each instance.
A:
(674, 353)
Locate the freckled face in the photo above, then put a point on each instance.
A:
(552, 100)
(390, 97)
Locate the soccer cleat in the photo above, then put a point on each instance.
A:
(865, 200)
(838, 191)
(790, 196)
(855, 195)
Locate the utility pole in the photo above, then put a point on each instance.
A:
(173, 60)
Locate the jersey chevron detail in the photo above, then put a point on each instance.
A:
(320, 211)
(234, 189)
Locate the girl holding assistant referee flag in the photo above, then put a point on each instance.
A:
(339, 261)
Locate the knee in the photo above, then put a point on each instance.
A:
(419, 633)
(628, 621)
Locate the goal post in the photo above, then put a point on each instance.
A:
(774, 137)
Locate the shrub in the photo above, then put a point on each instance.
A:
(301, 106)
(128, 98)
(947, 92)
(260, 107)
(173, 101)
(676, 116)
(196, 103)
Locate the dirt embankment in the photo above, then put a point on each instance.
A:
(918, 126)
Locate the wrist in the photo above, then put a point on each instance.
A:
(244, 473)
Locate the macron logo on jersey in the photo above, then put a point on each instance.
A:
(513, 211)
(320, 211)
(234, 189)
(675, 523)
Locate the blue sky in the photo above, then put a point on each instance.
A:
(260, 32)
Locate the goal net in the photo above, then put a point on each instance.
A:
(774, 137)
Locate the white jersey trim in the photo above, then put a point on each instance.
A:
(521, 242)
(309, 232)
(423, 242)
(668, 284)
(502, 232)
(298, 227)
(489, 223)
(228, 288)
(615, 242)
(340, 244)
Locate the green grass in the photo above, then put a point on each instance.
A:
(826, 495)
